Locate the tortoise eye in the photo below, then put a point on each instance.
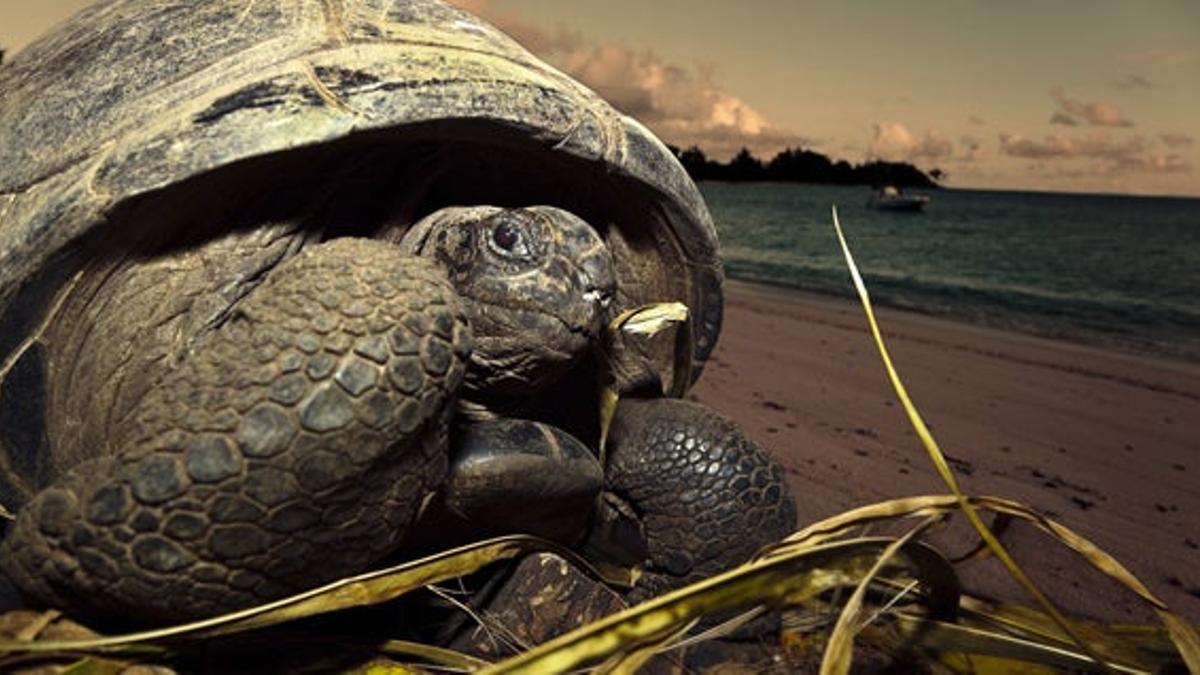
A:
(510, 240)
(506, 237)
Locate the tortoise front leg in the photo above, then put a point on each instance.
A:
(511, 476)
(707, 498)
(295, 444)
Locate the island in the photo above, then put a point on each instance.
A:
(796, 165)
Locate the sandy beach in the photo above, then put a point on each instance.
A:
(1104, 442)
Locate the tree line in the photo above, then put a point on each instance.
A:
(804, 166)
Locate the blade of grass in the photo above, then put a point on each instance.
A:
(840, 523)
(942, 636)
(650, 319)
(438, 655)
(1182, 634)
(902, 591)
(720, 630)
(39, 624)
(784, 578)
(1118, 643)
(839, 649)
(647, 320)
(629, 661)
(93, 666)
(382, 667)
(609, 398)
(497, 635)
(939, 459)
(365, 589)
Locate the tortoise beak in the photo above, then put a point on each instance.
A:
(597, 279)
(599, 297)
(597, 283)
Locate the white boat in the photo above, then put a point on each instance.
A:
(890, 198)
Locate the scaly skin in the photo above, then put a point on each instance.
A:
(294, 445)
(707, 496)
(298, 440)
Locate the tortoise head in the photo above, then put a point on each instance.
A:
(537, 281)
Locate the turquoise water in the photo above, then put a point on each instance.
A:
(1116, 270)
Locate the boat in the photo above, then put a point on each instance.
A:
(890, 198)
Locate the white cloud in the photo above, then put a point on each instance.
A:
(893, 141)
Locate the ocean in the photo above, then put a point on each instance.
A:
(1113, 270)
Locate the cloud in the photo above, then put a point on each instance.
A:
(1164, 57)
(1095, 113)
(893, 141)
(1110, 156)
(683, 106)
(1134, 81)
(1151, 164)
(1161, 163)
(1064, 119)
(1176, 140)
(1016, 145)
(1094, 145)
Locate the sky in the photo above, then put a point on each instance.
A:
(1096, 96)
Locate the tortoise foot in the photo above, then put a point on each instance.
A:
(513, 476)
(294, 445)
(703, 496)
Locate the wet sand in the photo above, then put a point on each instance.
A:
(1104, 442)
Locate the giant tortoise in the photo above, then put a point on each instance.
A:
(274, 274)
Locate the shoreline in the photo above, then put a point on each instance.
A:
(1104, 441)
(967, 188)
(1096, 339)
